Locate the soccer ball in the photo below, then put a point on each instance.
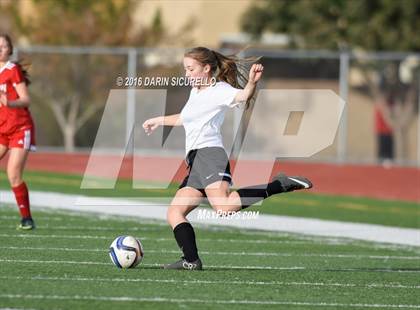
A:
(126, 252)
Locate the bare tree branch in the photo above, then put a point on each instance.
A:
(87, 114)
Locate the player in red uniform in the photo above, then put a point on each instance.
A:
(16, 126)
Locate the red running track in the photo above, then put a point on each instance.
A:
(351, 180)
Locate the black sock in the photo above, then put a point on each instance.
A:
(253, 194)
(274, 187)
(185, 237)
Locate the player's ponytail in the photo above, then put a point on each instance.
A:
(234, 70)
(230, 69)
(22, 67)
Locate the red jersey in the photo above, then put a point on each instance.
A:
(381, 125)
(12, 119)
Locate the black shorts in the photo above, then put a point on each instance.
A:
(206, 166)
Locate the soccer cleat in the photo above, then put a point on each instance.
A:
(290, 184)
(183, 264)
(26, 224)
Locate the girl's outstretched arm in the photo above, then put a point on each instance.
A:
(255, 75)
(168, 120)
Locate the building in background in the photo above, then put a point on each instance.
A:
(210, 21)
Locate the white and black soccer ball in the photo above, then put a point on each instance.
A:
(126, 252)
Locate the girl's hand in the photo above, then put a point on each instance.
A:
(3, 99)
(151, 124)
(255, 73)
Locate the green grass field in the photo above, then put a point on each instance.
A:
(64, 264)
(351, 209)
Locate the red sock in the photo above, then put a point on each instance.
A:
(22, 199)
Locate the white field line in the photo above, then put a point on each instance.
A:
(204, 301)
(258, 241)
(264, 254)
(70, 216)
(301, 239)
(236, 241)
(17, 309)
(14, 261)
(134, 208)
(147, 265)
(66, 228)
(177, 281)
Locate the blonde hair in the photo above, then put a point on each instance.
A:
(230, 69)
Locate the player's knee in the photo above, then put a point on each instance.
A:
(14, 179)
(173, 213)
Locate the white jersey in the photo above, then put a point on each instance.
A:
(203, 115)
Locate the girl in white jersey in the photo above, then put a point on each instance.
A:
(209, 171)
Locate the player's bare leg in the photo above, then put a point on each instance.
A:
(15, 166)
(3, 151)
(221, 199)
(186, 199)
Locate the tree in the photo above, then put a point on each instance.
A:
(338, 24)
(378, 25)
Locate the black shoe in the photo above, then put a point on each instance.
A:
(290, 184)
(26, 224)
(183, 264)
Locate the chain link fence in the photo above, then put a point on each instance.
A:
(380, 124)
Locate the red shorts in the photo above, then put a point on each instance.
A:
(22, 138)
